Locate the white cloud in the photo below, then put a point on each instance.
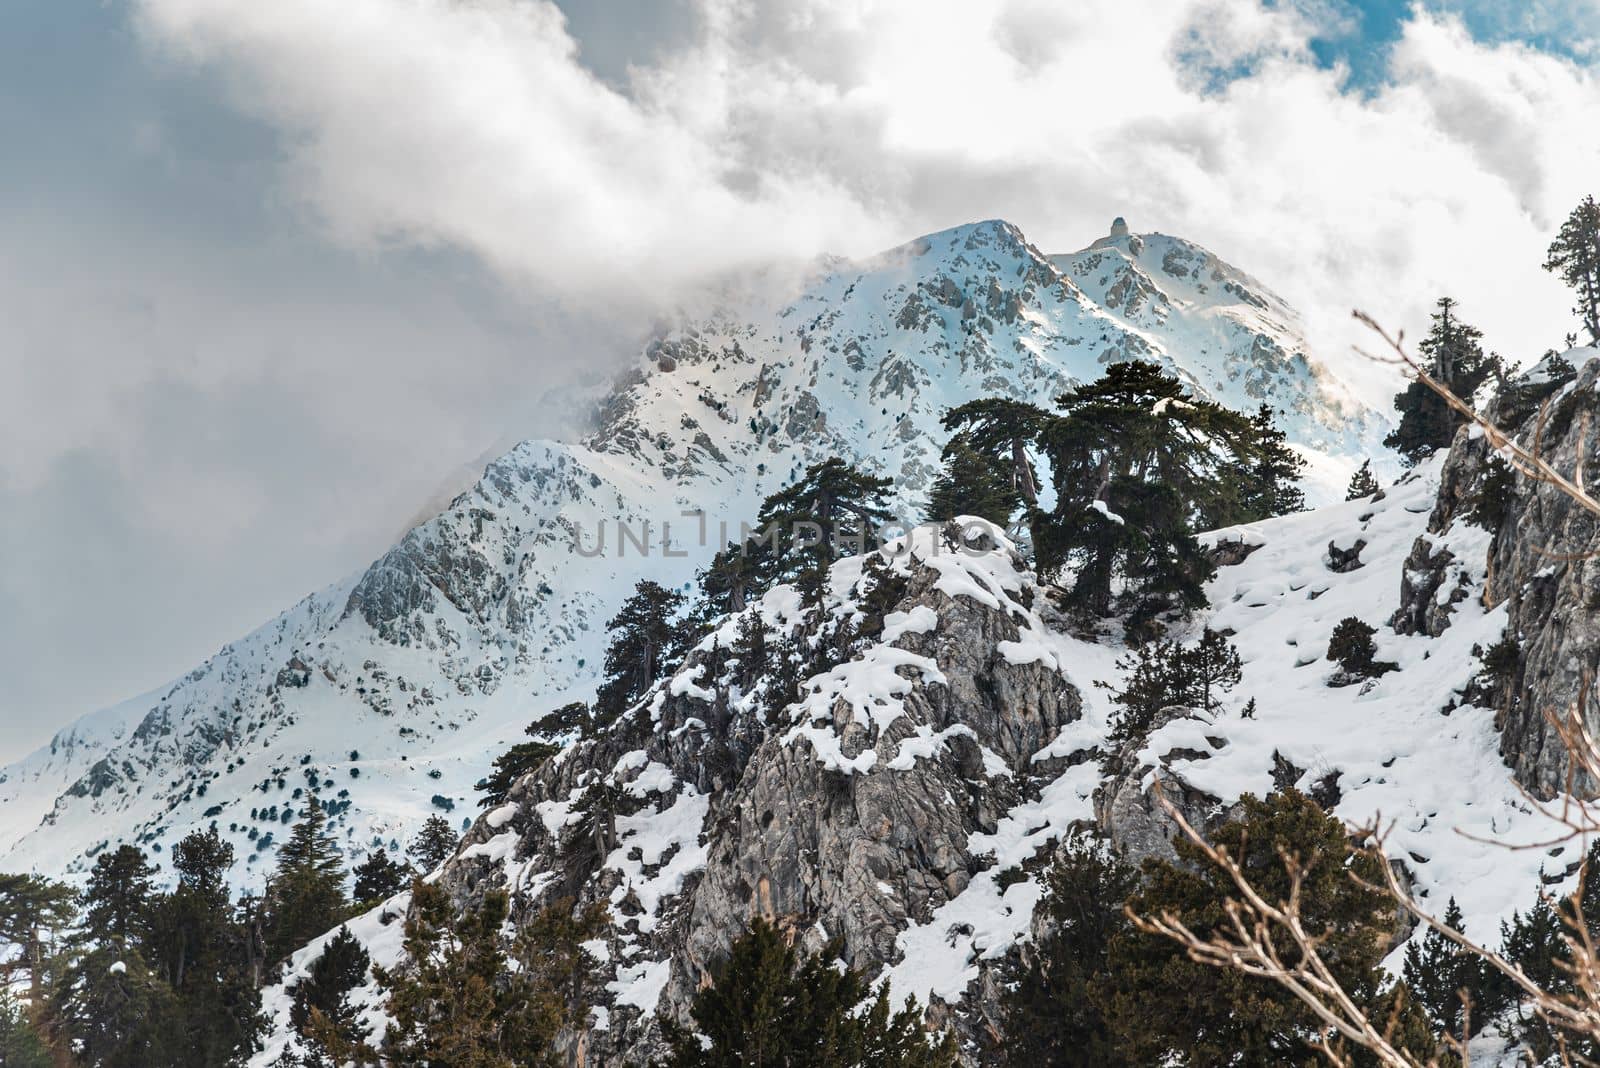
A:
(809, 125)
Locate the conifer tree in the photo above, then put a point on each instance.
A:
(20, 1043)
(1575, 257)
(1053, 1015)
(117, 1013)
(769, 1006)
(1453, 355)
(1213, 668)
(1164, 1008)
(32, 910)
(458, 999)
(434, 844)
(1272, 478)
(1352, 648)
(203, 955)
(832, 510)
(378, 878)
(305, 896)
(1163, 674)
(1439, 974)
(1362, 484)
(320, 1010)
(643, 639)
(1002, 431)
(118, 897)
(972, 484)
(1535, 942)
(521, 759)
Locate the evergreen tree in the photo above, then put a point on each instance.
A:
(305, 896)
(1352, 648)
(1052, 1016)
(118, 898)
(831, 511)
(1453, 355)
(1163, 674)
(1439, 974)
(642, 641)
(510, 766)
(464, 998)
(434, 844)
(1164, 1008)
(378, 878)
(20, 1044)
(1001, 432)
(1213, 668)
(1272, 479)
(32, 910)
(205, 956)
(1362, 484)
(320, 1010)
(972, 484)
(1575, 257)
(768, 1006)
(119, 1014)
(1536, 943)
(1138, 464)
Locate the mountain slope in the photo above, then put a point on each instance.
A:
(389, 693)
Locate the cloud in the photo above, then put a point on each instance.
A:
(785, 129)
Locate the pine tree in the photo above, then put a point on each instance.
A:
(1052, 1015)
(378, 878)
(119, 1014)
(972, 484)
(458, 999)
(1272, 478)
(1164, 1008)
(1352, 648)
(1163, 674)
(831, 511)
(521, 759)
(118, 897)
(1001, 432)
(642, 641)
(1535, 942)
(1575, 256)
(33, 910)
(434, 844)
(320, 1009)
(768, 1006)
(20, 1044)
(1439, 974)
(305, 896)
(204, 955)
(1453, 355)
(1362, 484)
(1213, 668)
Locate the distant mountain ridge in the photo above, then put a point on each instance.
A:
(388, 694)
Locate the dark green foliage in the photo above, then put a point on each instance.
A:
(1363, 483)
(1272, 477)
(1162, 674)
(466, 998)
(770, 1006)
(305, 896)
(1535, 942)
(1498, 669)
(434, 844)
(832, 511)
(1352, 648)
(121, 1015)
(1574, 256)
(20, 1044)
(1001, 431)
(1164, 1008)
(1439, 974)
(321, 1011)
(1490, 503)
(521, 759)
(643, 641)
(31, 906)
(118, 897)
(206, 957)
(972, 484)
(1453, 356)
(378, 878)
(1053, 1015)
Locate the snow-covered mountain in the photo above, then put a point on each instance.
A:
(393, 690)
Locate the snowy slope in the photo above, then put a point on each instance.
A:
(393, 690)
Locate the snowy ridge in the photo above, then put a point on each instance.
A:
(389, 693)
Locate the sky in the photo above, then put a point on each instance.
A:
(274, 277)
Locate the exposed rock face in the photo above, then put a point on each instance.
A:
(856, 816)
(1541, 565)
(1128, 803)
